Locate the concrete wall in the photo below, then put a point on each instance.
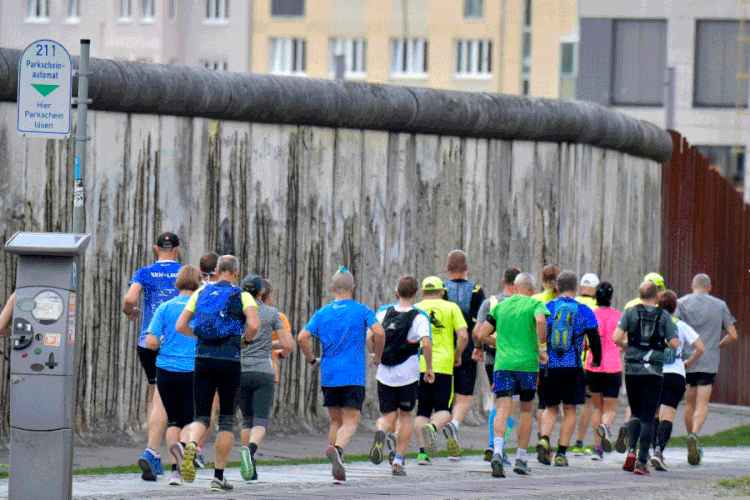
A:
(295, 202)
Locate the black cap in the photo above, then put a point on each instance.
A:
(167, 240)
(252, 283)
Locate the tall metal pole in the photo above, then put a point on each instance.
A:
(82, 102)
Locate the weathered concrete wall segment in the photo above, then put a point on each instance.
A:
(295, 202)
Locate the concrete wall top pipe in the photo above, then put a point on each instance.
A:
(172, 90)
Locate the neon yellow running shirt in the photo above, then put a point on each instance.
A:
(445, 318)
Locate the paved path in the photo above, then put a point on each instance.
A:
(468, 478)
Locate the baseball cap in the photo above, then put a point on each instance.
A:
(655, 278)
(167, 240)
(589, 279)
(432, 283)
(252, 283)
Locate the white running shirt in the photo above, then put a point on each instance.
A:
(687, 336)
(408, 371)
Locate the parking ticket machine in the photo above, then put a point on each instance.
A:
(42, 363)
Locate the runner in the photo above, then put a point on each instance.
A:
(674, 377)
(605, 380)
(258, 377)
(562, 379)
(221, 316)
(280, 351)
(549, 283)
(157, 284)
(342, 327)
(520, 323)
(469, 297)
(207, 265)
(644, 330)
(509, 288)
(655, 278)
(708, 316)
(587, 296)
(174, 369)
(434, 398)
(398, 372)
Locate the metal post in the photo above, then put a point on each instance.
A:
(669, 85)
(82, 102)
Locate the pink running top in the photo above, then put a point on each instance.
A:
(611, 362)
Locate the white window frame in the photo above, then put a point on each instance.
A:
(473, 58)
(409, 58)
(215, 64)
(216, 11)
(125, 10)
(37, 11)
(148, 11)
(354, 51)
(287, 56)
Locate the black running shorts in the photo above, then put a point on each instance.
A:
(434, 397)
(176, 392)
(402, 398)
(345, 396)
(148, 362)
(606, 384)
(672, 390)
(562, 385)
(700, 378)
(464, 378)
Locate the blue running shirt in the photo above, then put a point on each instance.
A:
(177, 353)
(157, 281)
(342, 327)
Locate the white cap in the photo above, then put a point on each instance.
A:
(589, 279)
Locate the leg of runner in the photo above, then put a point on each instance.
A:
(691, 393)
(156, 424)
(405, 428)
(596, 421)
(549, 418)
(524, 432)
(702, 397)
(502, 405)
(584, 420)
(336, 421)
(663, 433)
(567, 426)
(383, 425)
(200, 460)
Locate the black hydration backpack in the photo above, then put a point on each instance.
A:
(646, 334)
(397, 347)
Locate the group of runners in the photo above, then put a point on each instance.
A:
(208, 346)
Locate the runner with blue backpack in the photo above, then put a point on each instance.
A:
(562, 379)
(220, 316)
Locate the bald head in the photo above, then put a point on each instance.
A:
(525, 284)
(457, 262)
(342, 283)
(648, 291)
(701, 283)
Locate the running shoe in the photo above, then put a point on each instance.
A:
(561, 460)
(221, 485)
(337, 465)
(376, 452)
(430, 438)
(176, 450)
(175, 479)
(505, 459)
(629, 462)
(497, 465)
(451, 435)
(423, 459)
(398, 470)
(488, 454)
(391, 442)
(597, 455)
(640, 468)
(621, 445)
(606, 436)
(657, 460)
(246, 463)
(200, 460)
(693, 453)
(159, 468)
(576, 450)
(147, 463)
(542, 451)
(521, 468)
(187, 469)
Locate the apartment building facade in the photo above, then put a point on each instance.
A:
(627, 46)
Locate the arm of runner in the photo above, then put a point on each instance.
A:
(6, 317)
(252, 323)
(541, 337)
(183, 323)
(369, 343)
(286, 342)
(619, 338)
(485, 333)
(303, 340)
(697, 353)
(378, 340)
(152, 342)
(730, 337)
(595, 345)
(429, 375)
(130, 301)
(461, 343)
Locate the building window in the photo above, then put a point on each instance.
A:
(409, 57)
(217, 10)
(727, 160)
(526, 47)
(288, 8)
(473, 9)
(716, 64)
(37, 9)
(354, 52)
(640, 58)
(74, 10)
(288, 56)
(473, 58)
(125, 11)
(147, 10)
(568, 69)
(215, 64)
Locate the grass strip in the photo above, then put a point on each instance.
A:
(738, 485)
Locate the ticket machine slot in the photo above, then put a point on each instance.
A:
(23, 334)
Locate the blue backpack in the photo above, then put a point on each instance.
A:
(213, 318)
(562, 334)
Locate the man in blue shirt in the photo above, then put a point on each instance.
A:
(341, 327)
(562, 379)
(157, 282)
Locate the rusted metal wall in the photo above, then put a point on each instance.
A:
(706, 229)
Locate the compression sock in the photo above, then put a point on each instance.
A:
(656, 426)
(455, 423)
(498, 445)
(253, 448)
(647, 436)
(510, 427)
(521, 454)
(634, 432)
(493, 411)
(219, 474)
(663, 433)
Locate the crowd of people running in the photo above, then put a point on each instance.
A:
(208, 346)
